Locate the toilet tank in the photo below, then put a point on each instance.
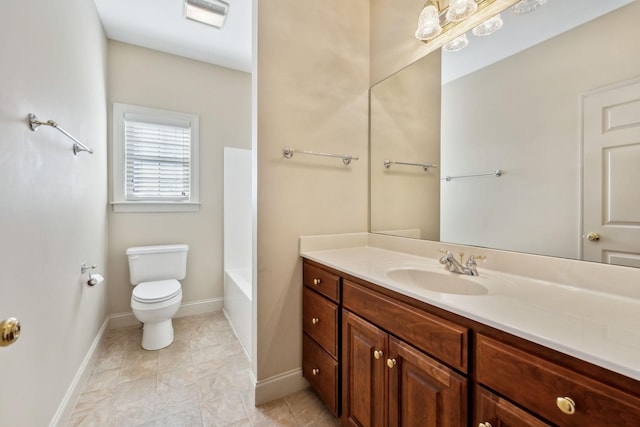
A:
(162, 262)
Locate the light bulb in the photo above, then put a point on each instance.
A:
(428, 23)
(461, 9)
(489, 26)
(456, 44)
(526, 6)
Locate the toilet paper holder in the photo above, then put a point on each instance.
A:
(84, 268)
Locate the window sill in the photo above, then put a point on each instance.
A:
(155, 206)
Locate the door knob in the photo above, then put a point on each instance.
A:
(593, 237)
(377, 354)
(9, 331)
(391, 363)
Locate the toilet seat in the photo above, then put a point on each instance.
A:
(157, 291)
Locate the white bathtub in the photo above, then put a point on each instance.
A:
(237, 304)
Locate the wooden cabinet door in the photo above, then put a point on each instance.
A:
(364, 376)
(495, 411)
(422, 391)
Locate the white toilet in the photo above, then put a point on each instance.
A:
(155, 271)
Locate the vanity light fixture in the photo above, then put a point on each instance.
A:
(459, 10)
(489, 26)
(429, 22)
(456, 44)
(526, 6)
(209, 12)
(439, 16)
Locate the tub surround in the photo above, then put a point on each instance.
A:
(585, 310)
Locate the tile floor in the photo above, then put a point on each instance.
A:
(201, 379)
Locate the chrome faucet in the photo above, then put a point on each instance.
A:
(452, 265)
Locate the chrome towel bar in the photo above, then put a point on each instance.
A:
(496, 173)
(78, 146)
(346, 158)
(424, 166)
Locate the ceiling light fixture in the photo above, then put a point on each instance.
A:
(209, 12)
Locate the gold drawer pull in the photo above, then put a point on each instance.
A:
(315, 371)
(316, 281)
(566, 405)
(391, 363)
(486, 424)
(377, 354)
(315, 320)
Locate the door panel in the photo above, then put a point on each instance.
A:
(611, 199)
(423, 392)
(364, 376)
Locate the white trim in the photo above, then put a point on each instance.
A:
(279, 385)
(80, 379)
(123, 320)
(120, 203)
(155, 207)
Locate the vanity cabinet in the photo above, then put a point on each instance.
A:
(389, 382)
(555, 393)
(321, 334)
(379, 358)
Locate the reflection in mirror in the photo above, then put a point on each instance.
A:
(519, 110)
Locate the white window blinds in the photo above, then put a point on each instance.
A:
(157, 160)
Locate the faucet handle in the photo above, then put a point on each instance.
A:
(473, 258)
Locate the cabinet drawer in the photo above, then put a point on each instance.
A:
(322, 281)
(496, 411)
(536, 384)
(438, 337)
(320, 320)
(321, 370)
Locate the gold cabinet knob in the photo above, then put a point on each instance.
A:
(391, 363)
(593, 237)
(485, 424)
(316, 281)
(566, 405)
(377, 354)
(315, 320)
(315, 371)
(9, 331)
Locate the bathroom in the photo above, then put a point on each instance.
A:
(58, 64)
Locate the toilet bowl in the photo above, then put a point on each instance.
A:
(156, 297)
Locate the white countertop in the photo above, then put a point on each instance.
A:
(598, 327)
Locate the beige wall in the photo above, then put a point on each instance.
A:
(54, 204)
(222, 99)
(523, 115)
(312, 86)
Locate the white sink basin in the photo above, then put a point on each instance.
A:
(437, 281)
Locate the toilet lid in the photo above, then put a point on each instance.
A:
(158, 291)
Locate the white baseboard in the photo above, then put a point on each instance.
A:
(279, 386)
(80, 379)
(122, 320)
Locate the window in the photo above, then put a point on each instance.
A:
(155, 160)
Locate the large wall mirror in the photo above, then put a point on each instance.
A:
(520, 102)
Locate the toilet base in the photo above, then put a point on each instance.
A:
(157, 335)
